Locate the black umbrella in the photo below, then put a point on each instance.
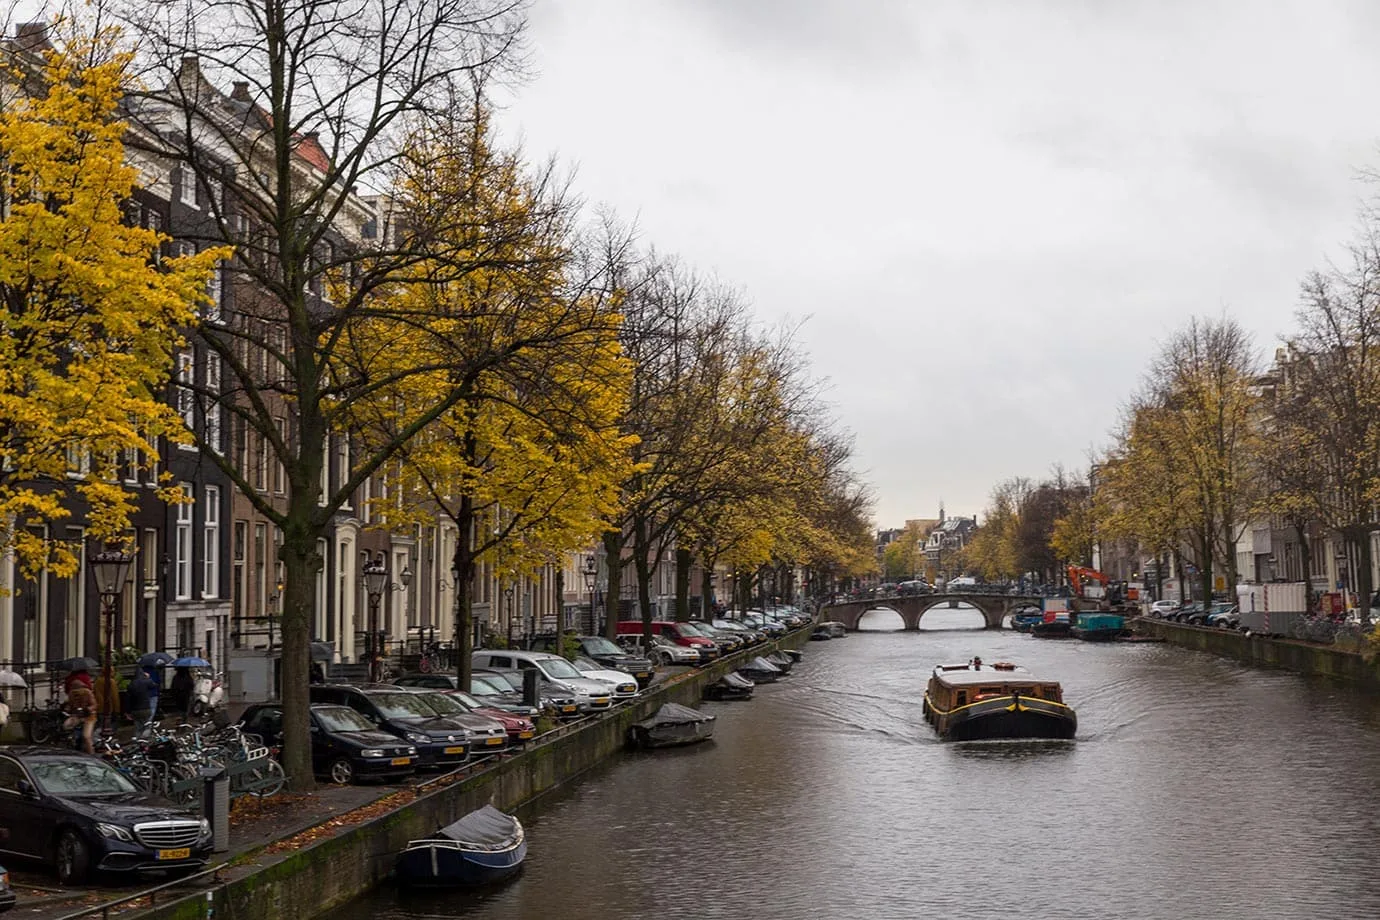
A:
(78, 664)
(154, 659)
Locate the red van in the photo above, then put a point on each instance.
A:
(677, 633)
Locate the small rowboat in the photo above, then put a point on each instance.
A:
(482, 848)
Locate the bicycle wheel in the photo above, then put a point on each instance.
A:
(272, 777)
(42, 728)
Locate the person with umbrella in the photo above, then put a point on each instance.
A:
(143, 699)
(180, 691)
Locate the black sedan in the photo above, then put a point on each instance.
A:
(440, 742)
(345, 746)
(79, 814)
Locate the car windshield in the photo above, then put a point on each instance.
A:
(402, 706)
(78, 776)
(443, 704)
(505, 682)
(557, 668)
(584, 664)
(690, 629)
(598, 645)
(342, 719)
(465, 699)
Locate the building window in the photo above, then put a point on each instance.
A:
(213, 426)
(260, 567)
(342, 474)
(182, 558)
(186, 636)
(261, 468)
(237, 554)
(279, 475)
(186, 399)
(215, 293)
(187, 187)
(210, 539)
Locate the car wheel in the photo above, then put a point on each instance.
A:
(342, 772)
(72, 858)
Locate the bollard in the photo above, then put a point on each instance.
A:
(215, 806)
(530, 696)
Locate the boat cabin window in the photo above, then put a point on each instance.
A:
(982, 691)
(962, 698)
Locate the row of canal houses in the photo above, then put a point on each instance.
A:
(207, 579)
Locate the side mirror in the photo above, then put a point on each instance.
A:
(27, 789)
(315, 729)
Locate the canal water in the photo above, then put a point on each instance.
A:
(1196, 788)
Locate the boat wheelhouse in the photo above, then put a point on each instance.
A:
(977, 701)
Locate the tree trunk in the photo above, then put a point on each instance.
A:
(464, 592)
(644, 578)
(706, 590)
(613, 597)
(301, 562)
(1305, 555)
(683, 563)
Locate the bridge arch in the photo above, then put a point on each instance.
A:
(994, 607)
(885, 610)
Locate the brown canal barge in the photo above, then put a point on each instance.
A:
(976, 702)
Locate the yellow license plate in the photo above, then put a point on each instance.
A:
(526, 734)
(494, 741)
(400, 761)
(567, 709)
(600, 700)
(181, 853)
(455, 750)
(640, 674)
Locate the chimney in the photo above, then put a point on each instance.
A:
(241, 91)
(191, 67)
(32, 37)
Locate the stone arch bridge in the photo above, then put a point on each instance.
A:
(994, 607)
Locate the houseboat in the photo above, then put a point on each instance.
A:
(976, 702)
(1099, 627)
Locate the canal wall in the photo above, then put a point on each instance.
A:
(1289, 654)
(337, 869)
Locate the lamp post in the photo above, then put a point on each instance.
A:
(1344, 575)
(109, 568)
(374, 574)
(591, 574)
(508, 596)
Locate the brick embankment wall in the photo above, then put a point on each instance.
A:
(1289, 654)
(334, 871)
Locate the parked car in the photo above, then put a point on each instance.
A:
(624, 686)
(1186, 612)
(440, 742)
(1163, 608)
(590, 695)
(730, 642)
(560, 703)
(1224, 616)
(757, 620)
(486, 735)
(608, 654)
(663, 651)
(518, 726)
(495, 692)
(709, 649)
(752, 636)
(78, 814)
(345, 745)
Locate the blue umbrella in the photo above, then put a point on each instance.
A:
(154, 659)
(191, 661)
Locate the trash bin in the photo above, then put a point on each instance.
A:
(530, 696)
(215, 806)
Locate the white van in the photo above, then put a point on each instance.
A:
(559, 673)
(961, 582)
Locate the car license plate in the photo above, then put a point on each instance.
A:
(526, 734)
(600, 700)
(181, 853)
(641, 674)
(455, 750)
(567, 709)
(494, 741)
(401, 761)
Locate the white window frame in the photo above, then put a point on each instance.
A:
(210, 543)
(186, 192)
(182, 545)
(186, 398)
(215, 290)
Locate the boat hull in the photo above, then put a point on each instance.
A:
(671, 735)
(1056, 630)
(1002, 718)
(1100, 634)
(440, 863)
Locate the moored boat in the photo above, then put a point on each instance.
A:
(1099, 627)
(672, 725)
(484, 847)
(761, 671)
(731, 686)
(1053, 625)
(976, 701)
(784, 662)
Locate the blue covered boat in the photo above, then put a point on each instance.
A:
(482, 848)
(1100, 627)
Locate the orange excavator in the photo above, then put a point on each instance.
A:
(1089, 584)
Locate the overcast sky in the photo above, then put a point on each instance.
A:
(990, 215)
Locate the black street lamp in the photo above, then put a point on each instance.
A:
(374, 575)
(591, 574)
(109, 569)
(508, 594)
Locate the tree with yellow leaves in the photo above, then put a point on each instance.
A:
(90, 317)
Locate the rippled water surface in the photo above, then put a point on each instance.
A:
(1196, 788)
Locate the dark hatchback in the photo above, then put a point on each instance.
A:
(609, 654)
(345, 745)
(439, 742)
(558, 702)
(78, 814)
